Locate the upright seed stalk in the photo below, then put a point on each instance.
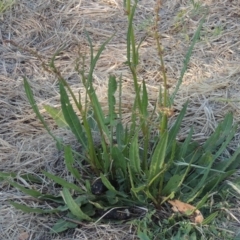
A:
(163, 104)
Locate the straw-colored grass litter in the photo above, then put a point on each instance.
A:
(212, 84)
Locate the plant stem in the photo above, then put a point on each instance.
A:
(165, 103)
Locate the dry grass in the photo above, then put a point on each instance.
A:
(212, 83)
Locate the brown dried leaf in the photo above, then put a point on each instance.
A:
(187, 209)
(23, 236)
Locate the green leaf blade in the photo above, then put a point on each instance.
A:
(69, 160)
(157, 161)
(57, 115)
(73, 206)
(72, 118)
(134, 158)
(63, 182)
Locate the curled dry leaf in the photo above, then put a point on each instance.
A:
(186, 209)
(23, 236)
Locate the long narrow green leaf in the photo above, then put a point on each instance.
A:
(62, 225)
(175, 128)
(204, 177)
(120, 135)
(224, 130)
(107, 184)
(228, 139)
(98, 113)
(119, 162)
(158, 158)
(130, 33)
(216, 179)
(30, 192)
(36, 110)
(185, 146)
(29, 177)
(187, 59)
(120, 97)
(27, 209)
(95, 59)
(72, 118)
(172, 185)
(7, 175)
(144, 101)
(112, 87)
(210, 218)
(73, 206)
(234, 161)
(57, 115)
(110, 187)
(35, 193)
(52, 198)
(69, 160)
(63, 182)
(229, 164)
(134, 158)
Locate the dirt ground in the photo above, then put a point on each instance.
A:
(212, 83)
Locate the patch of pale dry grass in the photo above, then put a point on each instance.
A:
(212, 84)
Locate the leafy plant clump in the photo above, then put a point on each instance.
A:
(137, 176)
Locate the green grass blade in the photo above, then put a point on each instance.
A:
(57, 115)
(172, 185)
(49, 197)
(229, 164)
(73, 206)
(158, 157)
(63, 182)
(215, 180)
(134, 159)
(221, 136)
(107, 184)
(185, 146)
(99, 116)
(234, 161)
(28, 177)
(175, 128)
(30, 192)
(119, 162)
(187, 59)
(98, 113)
(62, 225)
(4, 175)
(202, 180)
(228, 139)
(72, 118)
(144, 101)
(210, 218)
(4, 5)
(112, 87)
(110, 187)
(35, 193)
(95, 59)
(120, 97)
(175, 182)
(36, 110)
(27, 209)
(69, 160)
(120, 135)
(130, 35)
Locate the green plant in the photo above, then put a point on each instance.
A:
(132, 167)
(5, 4)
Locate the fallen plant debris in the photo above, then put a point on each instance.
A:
(187, 209)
